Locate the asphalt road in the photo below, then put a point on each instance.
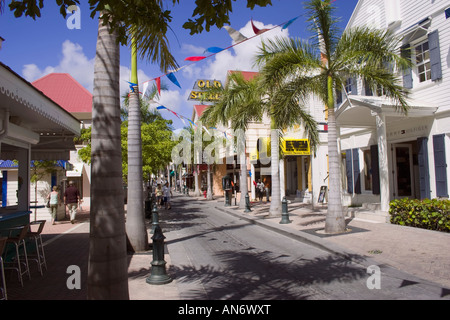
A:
(217, 256)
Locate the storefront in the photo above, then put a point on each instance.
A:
(33, 127)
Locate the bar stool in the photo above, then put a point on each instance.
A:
(17, 237)
(37, 238)
(2, 269)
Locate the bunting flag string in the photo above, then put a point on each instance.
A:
(182, 118)
(237, 38)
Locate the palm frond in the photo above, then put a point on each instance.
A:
(373, 56)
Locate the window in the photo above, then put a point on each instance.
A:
(423, 63)
(348, 85)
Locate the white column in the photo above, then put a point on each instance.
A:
(383, 162)
(282, 180)
(253, 189)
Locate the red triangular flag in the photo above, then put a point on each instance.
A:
(256, 30)
(194, 58)
(158, 84)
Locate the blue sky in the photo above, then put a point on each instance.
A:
(36, 48)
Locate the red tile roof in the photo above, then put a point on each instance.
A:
(199, 109)
(65, 91)
(248, 75)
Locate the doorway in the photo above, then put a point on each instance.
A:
(403, 173)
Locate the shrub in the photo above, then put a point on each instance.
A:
(426, 214)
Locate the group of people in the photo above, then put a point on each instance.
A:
(261, 190)
(71, 199)
(163, 195)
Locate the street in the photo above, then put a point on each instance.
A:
(217, 256)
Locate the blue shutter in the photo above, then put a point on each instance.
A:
(435, 56)
(356, 171)
(424, 171)
(375, 169)
(407, 74)
(440, 165)
(349, 170)
(338, 98)
(5, 188)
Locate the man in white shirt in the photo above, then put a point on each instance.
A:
(167, 193)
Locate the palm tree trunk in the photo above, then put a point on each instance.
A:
(135, 224)
(197, 192)
(335, 220)
(209, 195)
(275, 203)
(243, 176)
(108, 266)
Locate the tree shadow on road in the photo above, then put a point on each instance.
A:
(264, 276)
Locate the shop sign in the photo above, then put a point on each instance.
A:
(296, 147)
(200, 91)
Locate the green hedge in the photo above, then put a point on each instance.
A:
(426, 214)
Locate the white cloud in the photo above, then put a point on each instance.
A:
(190, 48)
(80, 67)
(73, 61)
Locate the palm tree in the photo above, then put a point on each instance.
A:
(107, 248)
(240, 103)
(297, 69)
(135, 222)
(108, 268)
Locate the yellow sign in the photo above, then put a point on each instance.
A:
(200, 91)
(295, 147)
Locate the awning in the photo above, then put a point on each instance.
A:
(34, 120)
(416, 30)
(360, 111)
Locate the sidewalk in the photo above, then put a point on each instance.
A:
(422, 253)
(67, 244)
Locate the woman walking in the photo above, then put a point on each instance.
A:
(54, 202)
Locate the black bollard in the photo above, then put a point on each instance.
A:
(158, 274)
(247, 204)
(284, 212)
(155, 218)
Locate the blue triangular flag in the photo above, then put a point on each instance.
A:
(132, 85)
(214, 49)
(160, 108)
(287, 24)
(172, 78)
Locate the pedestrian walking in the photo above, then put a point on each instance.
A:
(159, 195)
(260, 189)
(54, 202)
(71, 200)
(167, 193)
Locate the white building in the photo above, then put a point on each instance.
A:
(386, 154)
